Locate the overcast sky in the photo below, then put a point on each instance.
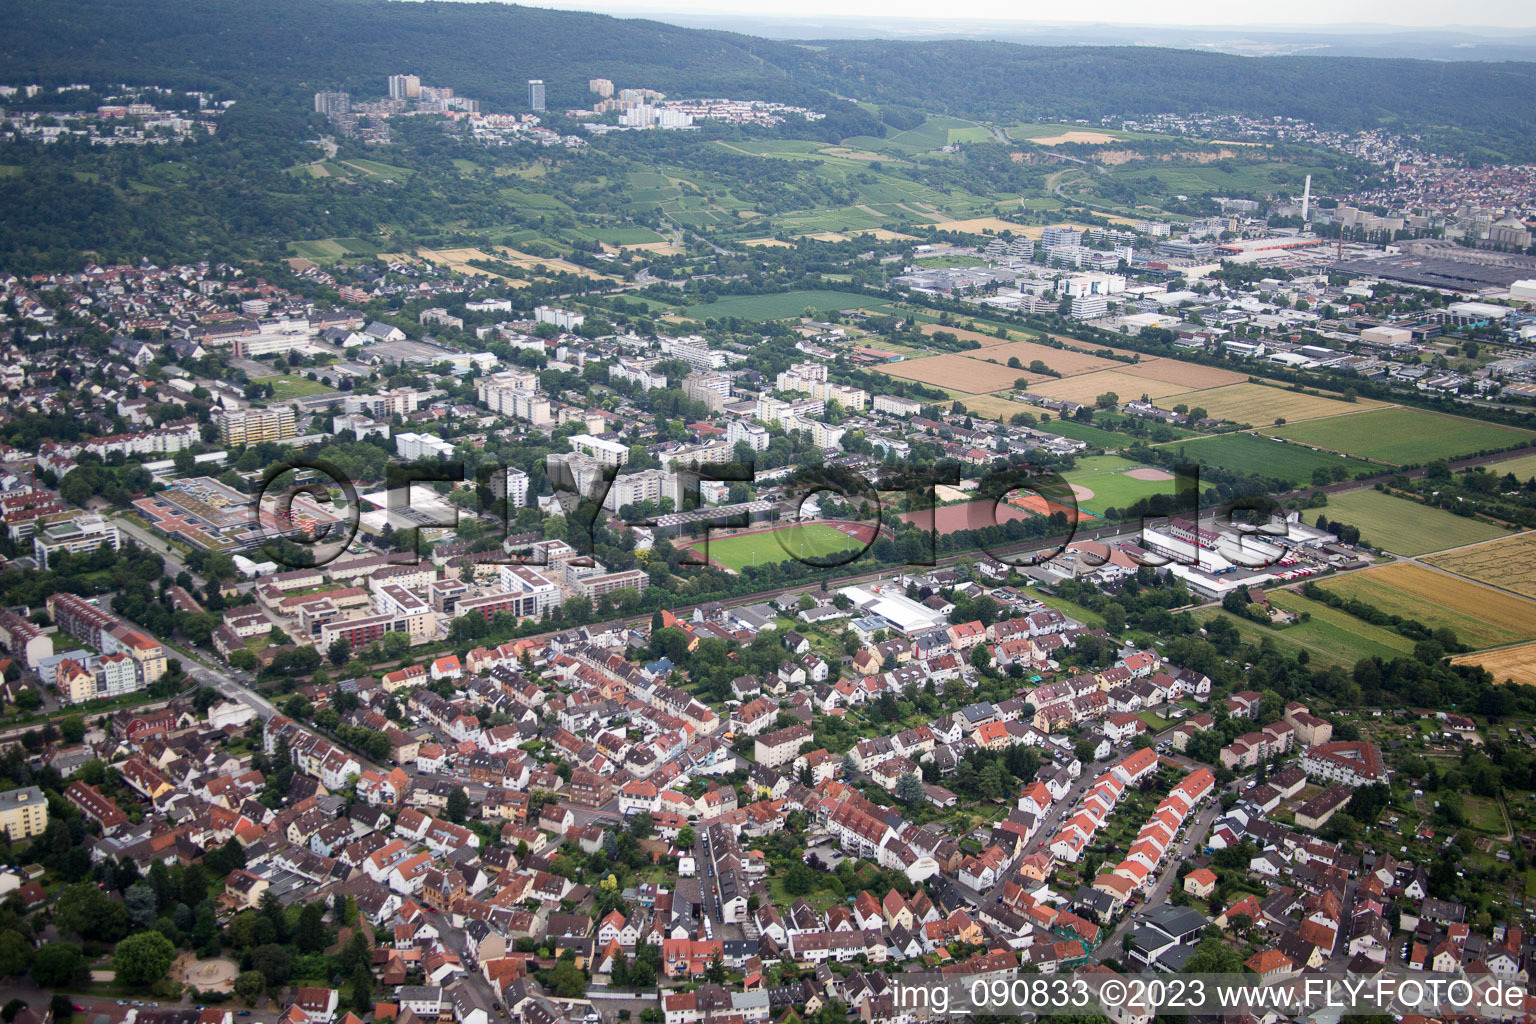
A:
(1495, 14)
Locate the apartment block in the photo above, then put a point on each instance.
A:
(252, 426)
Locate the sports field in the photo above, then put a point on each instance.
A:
(1402, 526)
(1512, 664)
(1108, 481)
(815, 542)
(1266, 457)
(1509, 563)
(1404, 436)
(1481, 617)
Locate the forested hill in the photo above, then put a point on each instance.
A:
(489, 50)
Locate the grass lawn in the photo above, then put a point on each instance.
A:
(1263, 456)
(284, 388)
(1331, 637)
(1524, 467)
(816, 541)
(1483, 814)
(1155, 721)
(1105, 476)
(1404, 436)
(776, 307)
(1088, 618)
(1403, 526)
(1084, 432)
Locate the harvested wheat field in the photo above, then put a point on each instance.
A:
(957, 372)
(1510, 665)
(993, 407)
(771, 243)
(1092, 346)
(1481, 617)
(457, 260)
(1090, 138)
(882, 235)
(976, 225)
(529, 263)
(1086, 387)
(1063, 361)
(1259, 405)
(661, 248)
(1509, 563)
(1191, 375)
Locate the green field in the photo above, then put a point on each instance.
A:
(815, 541)
(1330, 637)
(1523, 467)
(1402, 526)
(626, 235)
(333, 248)
(286, 388)
(1105, 476)
(777, 307)
(1223, 177)
(1084, 432)
(377, 168)
(1403, 436)
(1262, 456)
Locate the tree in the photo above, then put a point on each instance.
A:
(249, 985)
(362, 990)
(15, 953)
(340, 652)
(685, 838)
(567, 980)
(311, 933)
(141, 960)
(273, 962)
(57, 964)
(909, 788)
(799, 879)
(642, 825)
(143, 904)
(458, 806)
(86, 911)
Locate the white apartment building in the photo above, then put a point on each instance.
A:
(535, 593)
(422, 446)
(607, 453)
(517, 488)
(895, 405)
(561, 318)
(755, 436)
(713, 389)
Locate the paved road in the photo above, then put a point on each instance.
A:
(174, 565)
(1194, 838)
